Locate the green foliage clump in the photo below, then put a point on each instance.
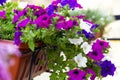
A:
(6, 26)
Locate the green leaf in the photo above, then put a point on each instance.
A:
(31, 45)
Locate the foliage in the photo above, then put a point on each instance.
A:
(6, 26)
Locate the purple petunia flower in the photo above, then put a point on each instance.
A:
(76, 74)
(90, 71)
(23, 23)
(88, 34)
(94, 26)
(43, 21)
(75, 23)
(18, 14)
(3, 14)
(2, 1)
(71, 3)
(103, 43)
(107, 68)
(15, 19)
(68, 25)
(60, 25)
(17, 36)
(96, 55)
(37, 10)
(50, 9)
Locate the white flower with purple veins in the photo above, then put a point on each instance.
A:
(76, 41)
(80, 60)
(86, 25)
(86, 47)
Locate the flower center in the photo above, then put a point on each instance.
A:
(95, 53)
(76, 72)
(101, 43)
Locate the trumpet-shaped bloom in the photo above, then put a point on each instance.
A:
(90, 71)
(2, 14)
(80, 60)
(96, 55)
(107, 68)
(76, 74)
(76, 41)
(17, 36)
(86, 47)
(2, 2)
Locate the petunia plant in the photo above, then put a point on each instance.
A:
(72, 50)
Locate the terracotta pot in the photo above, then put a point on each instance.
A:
(22, 67)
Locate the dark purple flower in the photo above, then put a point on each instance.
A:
(107, 68)
(17, 36)
(50, 9)
(23, 23)
(94, 26)
(3, 14)
(95, 55)
(71, 3)
(76, 74)
(21, 13)
(79, 32)
(93, 74)
(43, 21)
(2, 1)
(88, 34)
(38, 10)
(75, 23)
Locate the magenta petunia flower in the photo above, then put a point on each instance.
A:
(107, 68)
(60, 25)
(96, 55)
(103, 43)
(76, 74)
(68, 24)
(43, 21)
(93, 74)
(23, 23)
(17, 15)
(17, 36)
(3, 14)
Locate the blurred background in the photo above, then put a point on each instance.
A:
(107, 14)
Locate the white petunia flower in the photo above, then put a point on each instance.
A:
(80, 60)
(86, 47)
(85, 25)
(76, 41)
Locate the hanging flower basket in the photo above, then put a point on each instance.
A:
(72, 53)
(22, 69)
